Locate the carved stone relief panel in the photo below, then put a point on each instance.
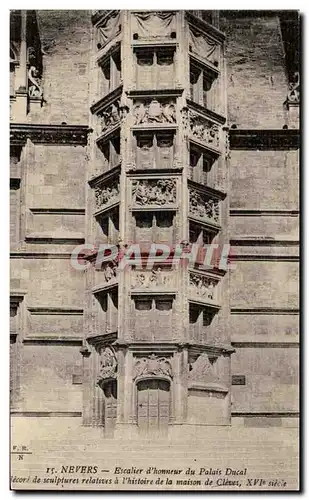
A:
(154, 111)
(201, 205)
(152, 365)
(203, 370)
(107, 364)
(153, 24)
(154, 192)
(106, 195)
(154, 278)
(108, 28)
(203, 45)
(203, 286)
(203, 130)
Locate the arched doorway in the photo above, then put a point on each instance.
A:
(110, 407)
(153, 406)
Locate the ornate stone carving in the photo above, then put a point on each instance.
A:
(154, 111)
(202, 370)
(150, 279)
(106, 195)
(110, 271)
(109, 28)
(107, 365)
(204, 207)
(154, 192)
(204, 130)
(51, 134)
(111, 116)
(34, 86)
(294, 89)
(203, 45)
(152, 365)
(203, 286)
(185, 119)
(153, 24)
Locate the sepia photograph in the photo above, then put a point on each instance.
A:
(154, 250)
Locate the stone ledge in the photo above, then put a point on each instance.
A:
(49, 134)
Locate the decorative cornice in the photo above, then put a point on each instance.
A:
(155, 173)
(57, 211)
(159, 43)
(40, 255)
(155, 93)
(153, 127)
(48, 134)
(110, 48)
(102, 339)
(272, 139)
(53, 340)
(208, 113)
(106, 176)
(41, 239)
(56, 311)
(150, 292)
(107, 100)
(214, 193)
(199, 61)
(206, 304)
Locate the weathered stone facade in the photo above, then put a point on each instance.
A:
(163, 127)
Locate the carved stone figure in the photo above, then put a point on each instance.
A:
(202, 286)
(154, 192)
(154, 112)
(204, 207)
(108, 364)
(111, 116)
(34, 87)
(202, 370)
(106, 195)
(294, 89)
(110, 271)
(152, 365)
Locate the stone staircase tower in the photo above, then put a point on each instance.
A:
(156, 355)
